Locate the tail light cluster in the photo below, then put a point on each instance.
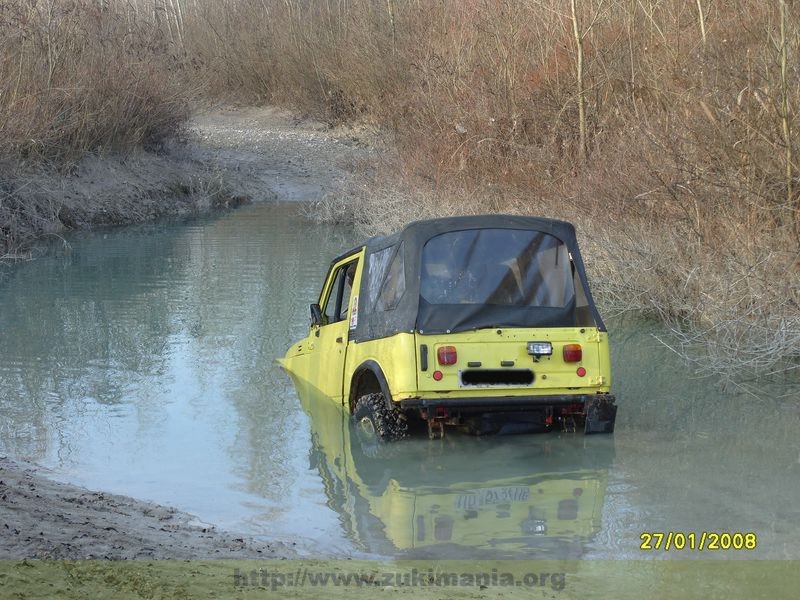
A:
(573, 353)
(447, 355)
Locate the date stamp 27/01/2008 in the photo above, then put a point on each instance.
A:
(699, 541)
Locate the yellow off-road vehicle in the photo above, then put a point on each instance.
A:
(484, 322)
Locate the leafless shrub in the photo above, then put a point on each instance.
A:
(666, 130)
(76, 77)
(79, 76)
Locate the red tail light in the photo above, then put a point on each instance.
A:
(573, 353)
(447, 355)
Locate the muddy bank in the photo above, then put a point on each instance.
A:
(42, 518)
(108, 190)
(225, 158)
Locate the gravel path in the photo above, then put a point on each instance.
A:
(271, 154)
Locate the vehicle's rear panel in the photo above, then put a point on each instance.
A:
(499, 362)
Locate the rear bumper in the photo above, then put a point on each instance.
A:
(599, 411)
(505, 403)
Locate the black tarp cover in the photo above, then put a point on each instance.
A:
(497, 271)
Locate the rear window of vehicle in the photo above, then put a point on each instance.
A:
(505, 267)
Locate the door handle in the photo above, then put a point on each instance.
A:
(339, 340)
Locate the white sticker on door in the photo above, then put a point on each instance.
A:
(354, 313)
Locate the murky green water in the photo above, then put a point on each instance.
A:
(142, 361)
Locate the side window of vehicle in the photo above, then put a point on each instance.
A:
(394, 286)
(347, 290)
(387, 281)
(338, 301)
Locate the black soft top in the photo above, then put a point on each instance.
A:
(390, 299)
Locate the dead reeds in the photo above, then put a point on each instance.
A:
(672, 146)
(666, 130)
(80, 76)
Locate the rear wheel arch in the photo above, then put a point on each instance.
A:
(368, 378)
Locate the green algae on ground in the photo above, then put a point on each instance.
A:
(171, 579)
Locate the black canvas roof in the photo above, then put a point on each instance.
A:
(410, 312)
(420, 232)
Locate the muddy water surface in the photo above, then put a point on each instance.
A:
(142, 361)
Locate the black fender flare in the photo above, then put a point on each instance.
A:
(369, 366)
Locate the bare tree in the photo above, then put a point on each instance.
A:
(578, 38)
(786, 119)
(701, 17)
(579, 34)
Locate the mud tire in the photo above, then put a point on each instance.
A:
(601, 416)
(377, 423)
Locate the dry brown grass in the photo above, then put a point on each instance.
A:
(687, 198)
(730, 301)
(76, 77)
(675, 151)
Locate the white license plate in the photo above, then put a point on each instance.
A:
(493, 495)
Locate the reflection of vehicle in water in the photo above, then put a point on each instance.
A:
(460, 497)
(469, 321)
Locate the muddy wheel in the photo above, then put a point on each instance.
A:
(376, 423)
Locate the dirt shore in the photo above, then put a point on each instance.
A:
(46, 519)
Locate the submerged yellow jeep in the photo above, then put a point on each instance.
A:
(483, 322)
